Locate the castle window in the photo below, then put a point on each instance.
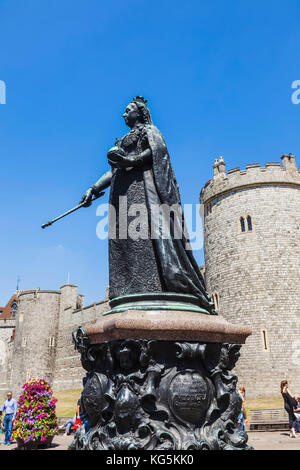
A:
(14, 309)
(51, 342)
(215, 299)
(243, 227)
(79, 302)
(265, 343)
(246, 224)
(24, 342)
(208, 209)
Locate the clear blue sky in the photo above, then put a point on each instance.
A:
(218, 78)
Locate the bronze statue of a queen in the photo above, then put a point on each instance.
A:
(153, 265)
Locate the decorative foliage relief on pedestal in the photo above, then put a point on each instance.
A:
(159, 395)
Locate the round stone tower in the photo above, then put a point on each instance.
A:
(34, 347)
(252, 266)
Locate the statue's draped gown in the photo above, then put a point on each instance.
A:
(149, 265)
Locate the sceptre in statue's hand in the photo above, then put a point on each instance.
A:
(81, 204)
(93, 193)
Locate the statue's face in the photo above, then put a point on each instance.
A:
(131, 114)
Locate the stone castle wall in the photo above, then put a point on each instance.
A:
(68, 370)
(42, 345)
(36, 330)
(255, 273)
(6, 345)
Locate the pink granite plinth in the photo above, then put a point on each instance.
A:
(166, 325)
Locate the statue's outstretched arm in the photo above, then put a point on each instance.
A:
(102, 183)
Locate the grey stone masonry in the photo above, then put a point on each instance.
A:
(252, 259)
(7, 327)
(42, 344)
(36, 326)
(68, 370)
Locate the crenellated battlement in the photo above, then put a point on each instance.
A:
(253, 175)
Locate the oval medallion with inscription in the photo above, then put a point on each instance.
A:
(188, 396)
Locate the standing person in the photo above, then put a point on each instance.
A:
(290, 403)
(1, 425)
(242, 419)
(10, 407)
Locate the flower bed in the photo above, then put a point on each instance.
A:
(35, 423)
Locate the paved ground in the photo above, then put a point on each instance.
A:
(259, 440)
(273, 441)
(60, 442)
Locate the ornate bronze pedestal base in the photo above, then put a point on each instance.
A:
(158, 394)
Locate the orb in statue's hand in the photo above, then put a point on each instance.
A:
(115, 155)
